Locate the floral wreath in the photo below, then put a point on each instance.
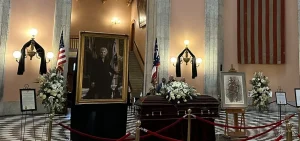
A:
(260, 91)
(177, 92)
(52, 90)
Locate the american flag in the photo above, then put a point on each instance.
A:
(114, 61)
(156, 62)
(61, 59)
(261, 31)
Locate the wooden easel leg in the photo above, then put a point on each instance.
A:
(226, 123)
(236, 121)
(244, 122)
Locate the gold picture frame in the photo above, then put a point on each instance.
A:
(233, 90)
(94, 74)
(142, 12)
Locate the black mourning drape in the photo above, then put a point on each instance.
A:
(194, 66)
(41, 52)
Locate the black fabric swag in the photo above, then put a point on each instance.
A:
(41, 52)
(194, 66)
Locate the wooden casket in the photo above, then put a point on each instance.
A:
(155, 113)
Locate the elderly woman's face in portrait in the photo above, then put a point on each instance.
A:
(103, 52)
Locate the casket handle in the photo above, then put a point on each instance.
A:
(201, 112)
(156, 112)
(178, 112)
(208, 111)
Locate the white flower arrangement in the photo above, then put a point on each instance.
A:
(52, 90)
(260, 90)
(178, 92)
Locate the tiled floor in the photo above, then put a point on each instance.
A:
(10, 127)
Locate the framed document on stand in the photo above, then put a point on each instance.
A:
(280, 98)
(28, 100)
(27, 104)
(297, 97)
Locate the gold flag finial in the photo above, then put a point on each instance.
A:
(232, 69)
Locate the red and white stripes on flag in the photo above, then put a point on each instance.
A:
(261, 32)
(156, 62)
(61, 59)
(114, 61)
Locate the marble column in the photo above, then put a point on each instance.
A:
(299, 34)
(158, 27)
(4, 23)
(62, 22)
(213, 45)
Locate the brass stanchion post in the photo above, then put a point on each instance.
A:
(298, 121)
(289, 135)
(51, 116)
(137, 130)
(189, 125)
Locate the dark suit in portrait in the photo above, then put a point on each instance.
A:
(102, 76)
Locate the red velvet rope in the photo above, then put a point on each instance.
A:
(163, 129)
(121, 139)
(249, 138)
(237, 127)
(124, 137)
(161, 136)
(278, 138)
(91, 136)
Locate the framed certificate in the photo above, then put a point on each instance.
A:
(280, 98)
(297, 97)
(28, 100)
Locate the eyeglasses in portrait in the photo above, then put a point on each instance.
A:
(102, 68)
(233, 90)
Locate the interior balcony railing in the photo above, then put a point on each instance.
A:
(74, 43)
(138, 56)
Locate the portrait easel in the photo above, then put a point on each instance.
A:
(237, 133)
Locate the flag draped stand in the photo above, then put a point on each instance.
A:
(156, 63)
(61, 60)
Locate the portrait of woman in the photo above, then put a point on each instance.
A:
(102, 67)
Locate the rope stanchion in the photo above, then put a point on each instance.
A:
(159, 136)
(51, 116)
(249, 138)
(124, 137)
(163, 129)
(137, 130)
(236, 127)
(90, 136)
(289, 133)
(298, 120)
(189, 125)
(278, 138)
